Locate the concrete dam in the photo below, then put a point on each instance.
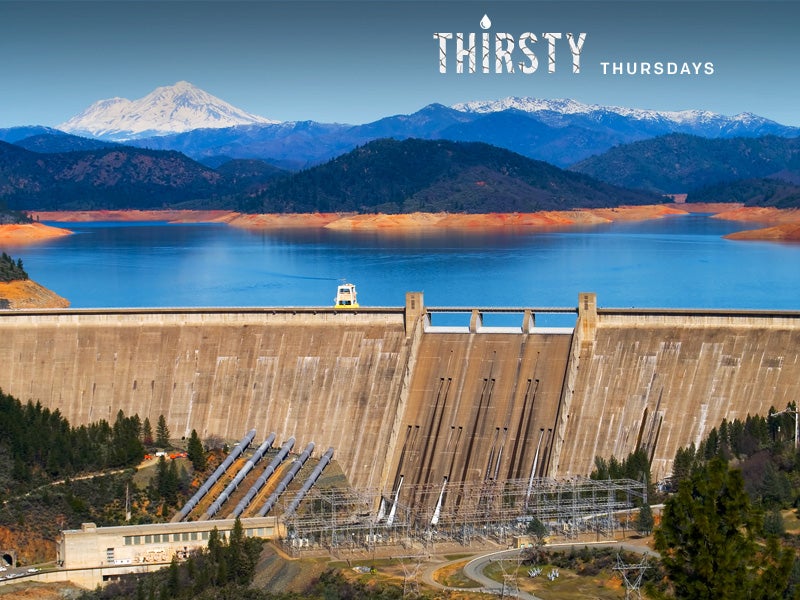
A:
(403, 400)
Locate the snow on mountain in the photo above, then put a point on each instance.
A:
(169, 109)
(572, 107)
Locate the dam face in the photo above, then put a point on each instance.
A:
(482, 407)
(334, 379)
(400, 399)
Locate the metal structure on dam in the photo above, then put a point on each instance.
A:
(405, 401)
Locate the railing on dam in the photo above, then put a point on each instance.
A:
(205, 310)
(500, 319)
(685, 317)
(458, 319)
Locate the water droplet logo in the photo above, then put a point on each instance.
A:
(485, 22)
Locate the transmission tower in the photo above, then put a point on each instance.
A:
(412, 565)
(632, 574)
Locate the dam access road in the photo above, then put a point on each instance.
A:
(401, 399)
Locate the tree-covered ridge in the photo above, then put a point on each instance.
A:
(11, 270)
(393, 176)
(103, 178)
(680, 163)
(42, 442)
(762, 448)
(751, 192)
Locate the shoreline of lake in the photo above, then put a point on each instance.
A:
(782, 224)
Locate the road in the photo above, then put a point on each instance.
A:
(474, 569)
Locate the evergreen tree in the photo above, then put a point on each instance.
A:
(195, 452)
(537, 530)
(162, 433)
(645, 520)
(707, 539)
(238, 562)
(173, 578)
(684, 462)
(773, 523)
(147, 433)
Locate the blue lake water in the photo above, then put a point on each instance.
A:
(673, 262)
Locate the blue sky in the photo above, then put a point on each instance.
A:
(355, 62)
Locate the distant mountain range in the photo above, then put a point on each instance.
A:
(185, 118)
(554, 131)
(142, 153)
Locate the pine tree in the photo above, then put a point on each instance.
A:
(147, 433)
(162, 433)
(195, 452)
(645, 520)
(707, 540)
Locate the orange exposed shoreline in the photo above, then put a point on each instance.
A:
(783, 222)
(350, 221)
(29, 233)
(29, 294)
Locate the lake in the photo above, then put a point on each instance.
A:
(679, 261)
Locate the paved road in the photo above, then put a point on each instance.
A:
(474, 569)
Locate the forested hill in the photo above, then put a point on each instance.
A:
(751, 192)
(680, 163)
(393, 176)
(103, 178)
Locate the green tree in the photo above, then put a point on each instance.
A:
(645, 520)
(773, 523)
(147, 433)
(195, 452)
(707, 540)
(537, 529)
(684, 463)
(162, 433)
(165, 485)
(238, 563)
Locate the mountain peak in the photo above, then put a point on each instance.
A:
(565, 106)
(166, 110)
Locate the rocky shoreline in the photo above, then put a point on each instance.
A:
(23, 294)
(780, 224)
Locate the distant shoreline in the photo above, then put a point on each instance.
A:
(375, 221)
(782, 224)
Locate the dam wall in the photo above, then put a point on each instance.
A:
(399, 399)
(662, 379)
(330, 377)
(481, 407)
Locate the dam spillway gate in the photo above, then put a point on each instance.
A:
(404, 400)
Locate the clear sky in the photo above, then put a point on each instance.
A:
(357, 61)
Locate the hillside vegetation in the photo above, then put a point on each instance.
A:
(393, 176)
(10, 270)
(751, 192)
(679, 163)
(104, 178)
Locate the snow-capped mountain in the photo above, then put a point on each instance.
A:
(555, 110)
(559, 131)
(166, 110)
